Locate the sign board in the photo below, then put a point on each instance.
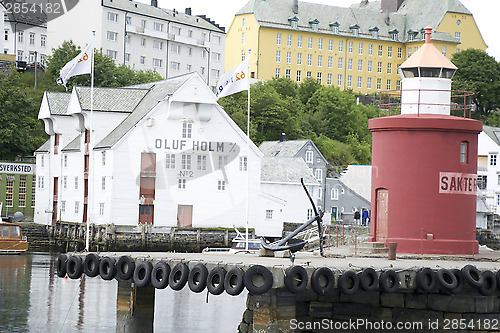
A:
(17, 168)
(457, 183)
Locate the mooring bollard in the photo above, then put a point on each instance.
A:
(392, 251)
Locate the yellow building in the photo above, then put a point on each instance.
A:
(358, 48)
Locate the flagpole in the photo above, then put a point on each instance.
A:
(248, 153)
(91, 152)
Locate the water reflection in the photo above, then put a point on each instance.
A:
(34, 299)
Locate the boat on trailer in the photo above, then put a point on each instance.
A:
(11, 239)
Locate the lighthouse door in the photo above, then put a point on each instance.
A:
(382, 215)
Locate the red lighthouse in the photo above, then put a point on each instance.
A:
(425, 164)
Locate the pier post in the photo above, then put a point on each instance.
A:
(134, 308)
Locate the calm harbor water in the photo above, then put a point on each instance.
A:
(34, 299)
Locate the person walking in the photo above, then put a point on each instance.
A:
(357, 216)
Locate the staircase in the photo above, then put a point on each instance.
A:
(37, 235)
(371, 248)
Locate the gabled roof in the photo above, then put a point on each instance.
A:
(45, 148)
(58, 102)
(30, 17)
(359, 179)
(286, 170)
(332, 181)
(493, 133)
(111, 99)
(282, 148)
(74, 145)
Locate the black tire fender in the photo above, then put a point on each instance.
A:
(233, 281)
(215, 280)
(320, 275)
(389, 281)
(61, 265)
(426, 279)
(489, 286)
(197, 279)
(142, 274)
(349, 283)
(252, 273)
(91, 265)
(296, 279)
(74, 267)
(368, 279)
(460, 281)
(498, 279)
(472, 276)
(107, 268)
(446, 279)
(178, 276)
(160, 275)
(125, 267)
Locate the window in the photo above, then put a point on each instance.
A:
(289, 57)
(9, 191)
(143, 23)
(112, 54)
(309, 156)
(299, 58)
(320, 61)
(158, 63)
(380, 50)
(320, 43)
(493, 159)
(349, 64)
(370, 65)
(41, 181)
(127, 57)
(309, 59)
(77, 206)
(6, 34)
(409, 52)
(289, 40)
(370, 49)
(127, 39)
(128, 20)
(309, 74)
(42, 161)
(444, 51)
(389, 51)
(278, 39)
(310, 43)
(175, 47)
(288, 73)
(299, 41)
(222, 161)
(299, 76)
(176, 66)
(112, 36)
(457, 36)
(389, 68)
(318, 174)
(181, 183)
(243, 56)
(243, 38)
(379, 84)
(201, 163)
(330, 45)
(369, 83)
(221, 185)
(278, 56)
(63, 206)
(216, 56)
(379, 67)
(269, 214)
(330, 62)
(394, 36)
(20, 37)
(360, 65)
(32, 38)
(243, 163)
(170, 161)
(360, 82)
(65, 182)
(203, 54)
(340, 63)
(329, 79)
(101, 208)
(159, 27)
(335, 29)
(463, 152)
(339, 80)
(103, 183)
(360, 48)
(319, 78)
(142, 60)
(388, 84)
(350, 48)
(498, 181)
(216, 73)
(244, 22)
(310, 214)
(186, 162)
(65, 160)
(158, 45)
(349, 81)
(335, 194)
(215, 39)
(400, 52)
(482, 181)
(143, 42)
(187, 129)
(398, 84)
(112, 17)
(277, 74)
(341, 46)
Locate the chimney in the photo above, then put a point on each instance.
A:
(188, 11)
(296, 7)
(154, 3)
(282, 137)
(391, 5)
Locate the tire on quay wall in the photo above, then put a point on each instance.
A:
(460, 281)
(178, 276)
(107, 268)
(74, 267)
(472, 276)
(389, 281)
(197, 278)
(215, 280)
(349, 283)
(233, 281)
(142, 274)
(254, 272)
(489, 286)
(446, 279)
(368, 279)
(160, 274)
(323, 281)
(61, 265)
(125, 267)
(498, 279)
(426, 279)
(296, 279)
(91, 265)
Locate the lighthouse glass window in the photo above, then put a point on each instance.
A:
(463, 152)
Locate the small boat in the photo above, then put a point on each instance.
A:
(238, 245)
(11, 240)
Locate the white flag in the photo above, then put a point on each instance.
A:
(235, 80)
(82, 64)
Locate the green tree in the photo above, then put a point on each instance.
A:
(307, 89)
(480, 73)
(20, 131)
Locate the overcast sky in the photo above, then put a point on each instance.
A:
(222, 12)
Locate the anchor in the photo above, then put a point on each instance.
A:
(294, 244)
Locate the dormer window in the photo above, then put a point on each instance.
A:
(354, 30)
(394, 34)
(411, 35)
(335, 27)
(374, 31)
(422, 33)
(294, 22)
(314, 24)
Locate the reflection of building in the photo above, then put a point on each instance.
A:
(145, 37)
(357, 48)
(17, 188)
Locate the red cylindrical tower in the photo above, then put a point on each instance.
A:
(424, 165)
